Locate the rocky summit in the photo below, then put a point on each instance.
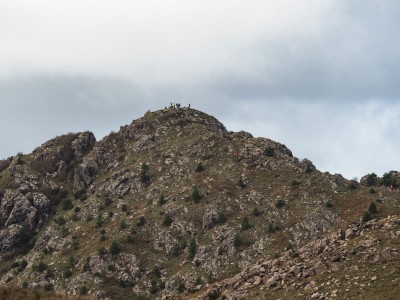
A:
(174, 206)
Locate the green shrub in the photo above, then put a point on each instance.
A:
(221, 218)
(269, 151)
(83, 290)
(48, 287)
(192, 248)
(75, 217)
(156, 271)
(329, 204)
(245, 224)
(280, 203)
(181, 287)
(25, 285)
(372, 208)
(24, 235)
(88, 218)
(123, 225)
(241, 183)
(80, 194)
(67, 204)
(49, 274)
(388, 180)
(99, 221)
(114, 248)
(102, 251)
(366, 216)
(196, 196)
(199, 167)
(130, 240)
(41, 267)
(22, 265)
(141, 221)
(60, 221)
(372, 191)
(64, 231)
(272, 228)
(67, 273)
(144, 173)
(295, 182)
(256, 212)
(167, 220)
(161, 200)
(353, 185)
(198, 281)
(372, 179)
(210, 278)
(124, 208)
(237, 240)
(14, 265)
(20, 160)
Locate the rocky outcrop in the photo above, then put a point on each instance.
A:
(16, 210)
(296, 269)
(83, 143)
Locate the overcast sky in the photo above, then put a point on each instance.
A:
(320, 76)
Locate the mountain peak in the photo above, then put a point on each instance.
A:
(173, 201)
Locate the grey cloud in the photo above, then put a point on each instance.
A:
(37, 109)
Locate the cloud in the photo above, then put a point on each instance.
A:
(319, 76)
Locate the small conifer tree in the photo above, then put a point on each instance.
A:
(196, 196)
(199, 167)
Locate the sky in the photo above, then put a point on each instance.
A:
(320, 76)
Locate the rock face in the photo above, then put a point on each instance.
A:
(83, 143)
(332, 254)
(16, 210)
(133, 215)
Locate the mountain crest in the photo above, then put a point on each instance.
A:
(174, 202)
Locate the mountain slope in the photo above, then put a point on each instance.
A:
(164, 207)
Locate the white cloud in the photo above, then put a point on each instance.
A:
(305, 73)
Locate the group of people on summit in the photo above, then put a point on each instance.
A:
(175, 106)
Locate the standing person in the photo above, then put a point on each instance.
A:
(189, 105)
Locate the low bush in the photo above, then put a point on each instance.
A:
(192, 248)
(161, 200)
(80, 194)
(280, 203)
(366, 216)
(114, 248)
(372, 179)
(196, 196)
(245, 224)
(241, 183)
(256, 212)
(269, 151)
(67, 204)
(372, 208)
(144, 173)
(167, 220)
(41, 267)
(388, 180)
(123, 225)
(60, 221)
(199, 167)
(141, 221)
(221, 218)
